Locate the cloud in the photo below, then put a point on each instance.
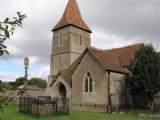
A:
(111, 40)
(41, 73)
(121, 18)
(7, 76)
(114, 23)
(130, 19)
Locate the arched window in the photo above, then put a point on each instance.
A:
(88, 83)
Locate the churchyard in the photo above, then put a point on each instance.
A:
(118, 83)
(11, 112)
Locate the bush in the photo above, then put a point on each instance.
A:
(19, 81)
(41, 83)
(5, 85)
(2, 86)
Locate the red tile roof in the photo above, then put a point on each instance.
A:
(125, 54)
(72, 16)
(108, 61)
(113, 60)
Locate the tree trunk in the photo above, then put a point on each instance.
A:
(146, 98)
(145, 93)
(153, 104)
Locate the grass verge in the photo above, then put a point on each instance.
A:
(11, 113)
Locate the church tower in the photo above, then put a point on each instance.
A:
(71, 36)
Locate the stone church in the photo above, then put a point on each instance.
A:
(88, 76)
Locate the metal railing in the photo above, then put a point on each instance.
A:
(44, 105)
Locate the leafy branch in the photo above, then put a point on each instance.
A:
(7, 28)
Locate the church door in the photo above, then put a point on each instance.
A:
(62, 91)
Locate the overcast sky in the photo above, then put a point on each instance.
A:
(114, 23)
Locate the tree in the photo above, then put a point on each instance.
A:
(1, 86)
(19, 81)
(144, 77)
(5, 85)
(38, 82)
(7, 28)
(5, 100)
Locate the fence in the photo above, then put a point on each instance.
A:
(44, 105)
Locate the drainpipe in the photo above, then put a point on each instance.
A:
(109, 107)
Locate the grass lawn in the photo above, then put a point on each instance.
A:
(11, 113)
